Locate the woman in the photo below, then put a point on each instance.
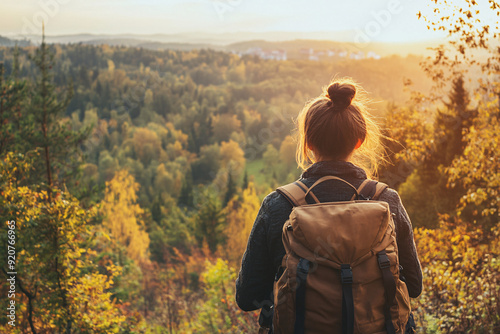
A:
(336, 135)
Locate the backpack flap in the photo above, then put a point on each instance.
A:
(342, 232)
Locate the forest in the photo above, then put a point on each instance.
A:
(134, 177)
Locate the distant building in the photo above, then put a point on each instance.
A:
(372, 55)
(342, 54)
(274, 55)
(332, 53)
(357, 55)
(267, 54)
(306, 51)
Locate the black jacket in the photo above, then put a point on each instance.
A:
(265, 250)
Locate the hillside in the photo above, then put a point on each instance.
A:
(4, 41)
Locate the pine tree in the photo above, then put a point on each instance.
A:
(12, 95)
(428, 187)
(156, 212)
(209, 220)
(450, 126)
(245, 180)
(56, 141)
(230, 188)
(38, 128)
(186, 197)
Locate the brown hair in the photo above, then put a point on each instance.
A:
(334, 122)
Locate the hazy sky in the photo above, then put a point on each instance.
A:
(383, 20)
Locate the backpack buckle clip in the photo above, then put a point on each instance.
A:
(346, 273)
(383, 260)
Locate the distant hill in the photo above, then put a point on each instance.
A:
(153, 45)
(291, 42)
(295, 49)
(4, 41)
(294, 46)
(199, 37)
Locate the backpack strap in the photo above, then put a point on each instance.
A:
(371, 190)
(300, 295)
(379, 190)
(347, 299)
(295, 193)
(326, 178)
(390, 289)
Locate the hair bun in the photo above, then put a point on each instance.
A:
(341, 95)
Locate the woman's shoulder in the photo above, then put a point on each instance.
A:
(275, 204)
(391, 196)
(274, 210)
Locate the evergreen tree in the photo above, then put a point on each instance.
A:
(428, 186)
(39, 129)
(56, 141)
(156, 209)
(450, 127)
(12, 95)
(186, 196)
(245, 180)
(230, 188)
(210, 220)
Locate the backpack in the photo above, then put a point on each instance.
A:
(341, 270)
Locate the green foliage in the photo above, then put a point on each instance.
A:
(13, 93)
(478, 169)
(218, 313)
(174, 231)
(209, 220)
(186, 197)
(461, 272)
(230, 189)
(58, 287)
(43, 128)
(421, 168)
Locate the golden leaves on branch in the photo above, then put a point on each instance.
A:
(123, 215)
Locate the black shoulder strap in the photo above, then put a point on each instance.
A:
(389, 287)
(347, 299)
(300, 296)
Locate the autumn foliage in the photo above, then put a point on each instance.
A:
(135, 195)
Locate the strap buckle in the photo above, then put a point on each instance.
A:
(346, 273)
(383, 260)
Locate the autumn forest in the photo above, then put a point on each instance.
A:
(133, 177)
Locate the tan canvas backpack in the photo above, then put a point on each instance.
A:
(340, 273)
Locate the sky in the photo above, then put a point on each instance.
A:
(378, 20)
